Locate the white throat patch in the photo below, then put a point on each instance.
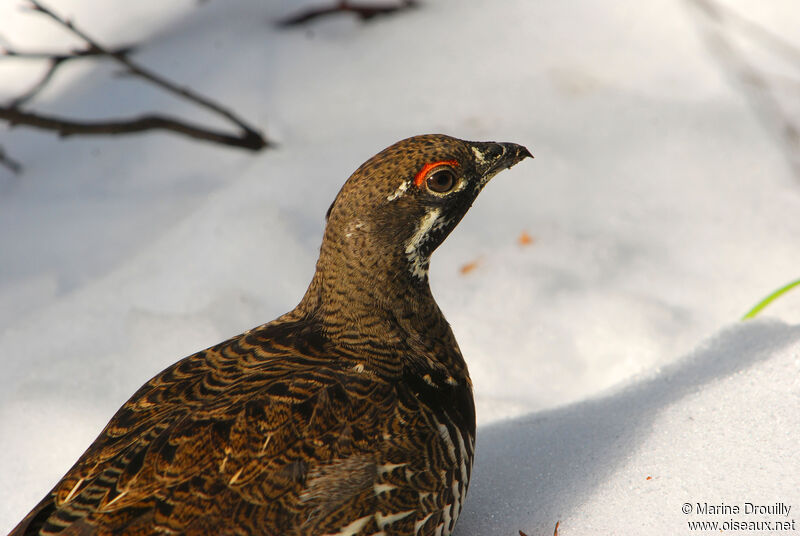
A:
(419, 264)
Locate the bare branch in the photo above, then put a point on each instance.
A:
(55, 60)
(38, 86)
(67, 127)
(363, 11)
(147, 74)
(71, 55)
(249, 138)
(7, 162)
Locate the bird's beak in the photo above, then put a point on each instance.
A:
(493, 157)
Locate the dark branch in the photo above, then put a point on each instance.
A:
(150, 75)
(55, 61)
(67, 127)
(38, 86)
(6, 161)
(249, 138)
(71, 55)
(364, 11)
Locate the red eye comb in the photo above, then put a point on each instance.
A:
(427, 167)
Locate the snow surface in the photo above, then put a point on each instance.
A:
(607, 351)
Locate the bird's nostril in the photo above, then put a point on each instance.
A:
(494, 151)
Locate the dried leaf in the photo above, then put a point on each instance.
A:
(470, 266)
(524, 239)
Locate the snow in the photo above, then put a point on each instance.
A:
(607, 351)
(718, 426)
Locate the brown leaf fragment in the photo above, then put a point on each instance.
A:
(470, 266)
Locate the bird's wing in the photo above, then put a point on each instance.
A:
(253, 431)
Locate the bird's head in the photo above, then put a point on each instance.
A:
(403, 202)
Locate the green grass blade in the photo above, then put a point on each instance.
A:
(769, 299)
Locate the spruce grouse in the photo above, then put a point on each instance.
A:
(350, 415)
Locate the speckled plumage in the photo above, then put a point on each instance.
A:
(350, 415)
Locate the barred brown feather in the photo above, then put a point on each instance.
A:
(350, 415)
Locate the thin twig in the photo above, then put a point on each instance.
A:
(364, 12)
(67, 127)
(150, 75)
(8, 162)
(55, 61)
(249, 138)
(71, 55)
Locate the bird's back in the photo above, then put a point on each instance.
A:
(275, 431)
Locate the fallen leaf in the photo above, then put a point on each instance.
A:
(524, 239)
(470, 266)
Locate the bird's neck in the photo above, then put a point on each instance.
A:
(372, 304)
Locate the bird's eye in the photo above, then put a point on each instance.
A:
(442, 181)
